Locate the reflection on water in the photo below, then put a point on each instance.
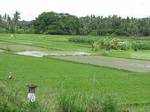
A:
(52, 53)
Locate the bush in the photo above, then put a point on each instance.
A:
(119, 44)
(88, 40)
(102, 32)
(120, 32)
(105, 53)
(111, 43)
(140, 45)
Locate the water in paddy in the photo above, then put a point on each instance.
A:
(1, 50)
(52, 53)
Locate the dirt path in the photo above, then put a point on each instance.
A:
(119, 63)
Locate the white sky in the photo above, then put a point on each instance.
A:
(30, 9)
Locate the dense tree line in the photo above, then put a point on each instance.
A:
(14, 25)
(62, 23)
(55, 23)
(114, 25)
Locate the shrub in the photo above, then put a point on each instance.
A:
(102, 32)
(105, 53)
(88, 40)
(119, 44)
(120, 32)
(140, 45)
(111, 43)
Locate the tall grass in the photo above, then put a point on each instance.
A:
(11, 101)
(82, 39)
(77, 102)
(140, 45)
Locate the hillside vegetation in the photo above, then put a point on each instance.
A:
(67, 24)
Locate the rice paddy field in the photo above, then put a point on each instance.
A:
(50, 74)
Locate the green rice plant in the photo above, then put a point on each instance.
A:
(77, 102)
(11, 101)
(140, 45)
(8, 49)
(62, 102)
(8, 100)
(70, 103)
(105, 53)
(103, 104)
(88, 40)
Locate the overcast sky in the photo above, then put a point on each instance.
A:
(30, 9)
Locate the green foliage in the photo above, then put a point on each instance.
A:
(105, 53)
(102, 32)
(2, 30)
(114, 25)
(73, 75)
(83, 39)
(111, 43)
(121, 44)
(36, 42)
(54, 23)
(70, 74)
(76, 102)
(140, 45)
(66, 24)
(14, 25)
(120, 32)
(10, 101)
(108, 32)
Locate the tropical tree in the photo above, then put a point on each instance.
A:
(16, 20)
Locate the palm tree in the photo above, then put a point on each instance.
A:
(16, 20)
(9, 24)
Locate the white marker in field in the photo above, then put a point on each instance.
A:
(31, 93)
(10, 76)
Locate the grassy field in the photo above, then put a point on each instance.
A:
(32, 42)
(52, 74)
(129, 87)
(39, 42)
(141, 55)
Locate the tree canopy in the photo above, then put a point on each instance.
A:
(54, 23)
(59, 23)
(66, 24)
